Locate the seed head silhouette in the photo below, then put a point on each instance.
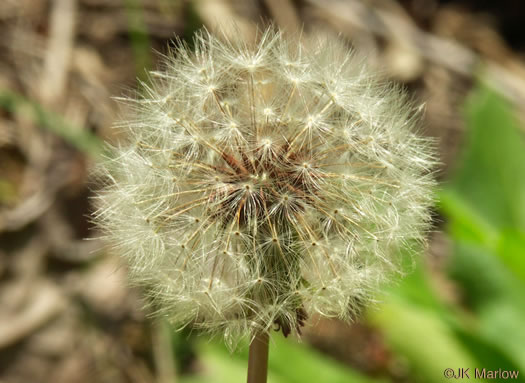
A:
(261, 183)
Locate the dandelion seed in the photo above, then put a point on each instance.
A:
(263, 184)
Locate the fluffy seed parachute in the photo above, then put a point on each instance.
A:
(262, 183)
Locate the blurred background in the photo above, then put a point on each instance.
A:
(66, 312)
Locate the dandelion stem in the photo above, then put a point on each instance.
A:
(258, 359)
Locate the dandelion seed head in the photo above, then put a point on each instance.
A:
(263, 183)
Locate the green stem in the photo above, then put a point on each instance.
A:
(258, 359)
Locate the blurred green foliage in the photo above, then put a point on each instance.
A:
(139, 37)
(22, 107)
(483, 324)
(289, 362)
